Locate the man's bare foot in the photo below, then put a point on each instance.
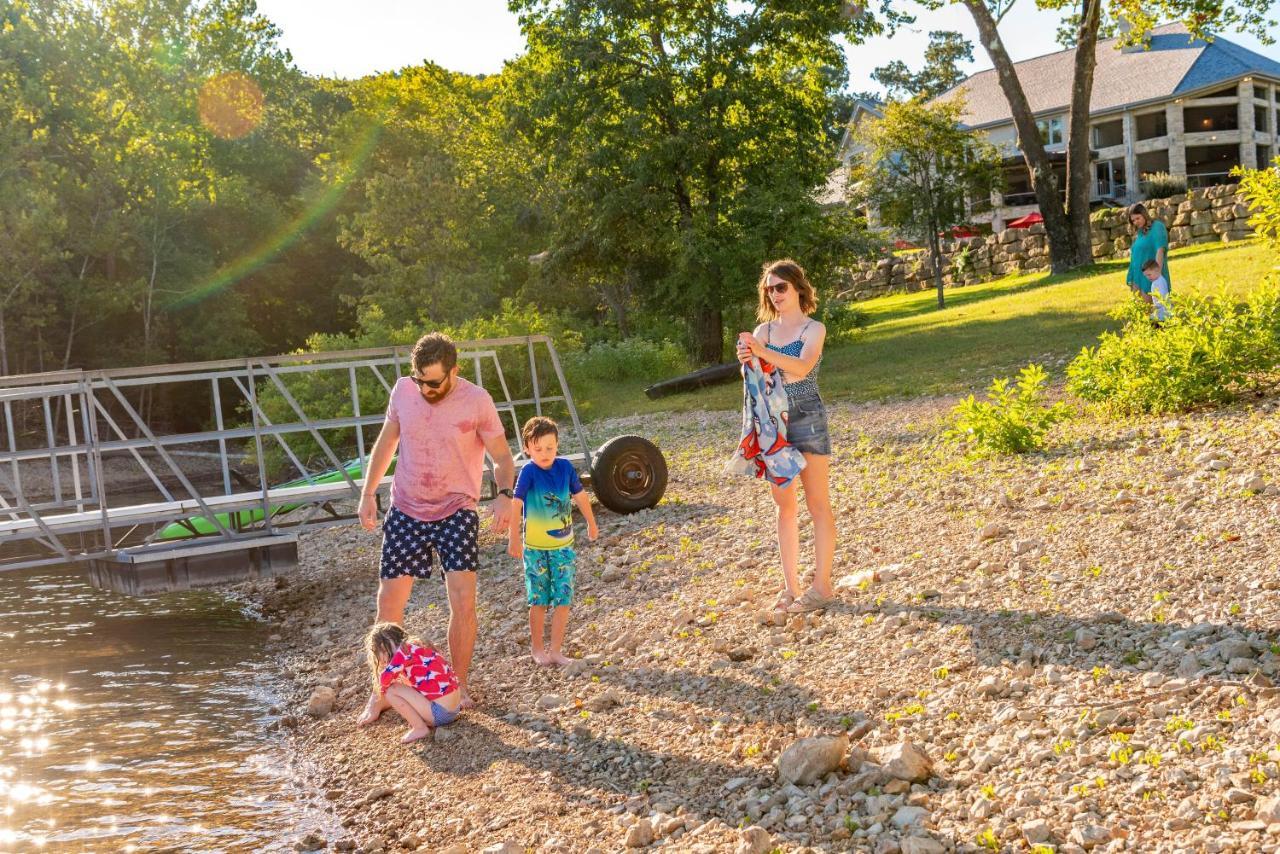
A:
(559, 659)
(467, 702)
(415, 734)
(372, 711)
(541, 658)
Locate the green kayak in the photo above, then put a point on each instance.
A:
(200, 526)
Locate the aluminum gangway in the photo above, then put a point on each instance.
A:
(215, 458)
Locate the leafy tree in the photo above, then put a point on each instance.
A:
(921, 167)
(686, 141)
(1262, 188)
(1067, 225)
(137, 227)
(941, 69)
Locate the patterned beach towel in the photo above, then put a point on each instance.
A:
(763, 450)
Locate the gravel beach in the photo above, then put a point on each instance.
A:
(1073, 650)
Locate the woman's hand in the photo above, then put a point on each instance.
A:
(743, 352)
(752, 344)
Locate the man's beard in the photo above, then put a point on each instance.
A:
(435, 395)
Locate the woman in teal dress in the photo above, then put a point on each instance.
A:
(1150, 240)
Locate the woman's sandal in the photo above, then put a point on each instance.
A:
(783, 601)
(812, 600)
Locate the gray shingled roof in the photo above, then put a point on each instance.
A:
(1173, 64)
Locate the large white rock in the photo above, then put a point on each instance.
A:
(905, 761)
(754, 840)
(1268, 810)
(321, 702)
(1036, 831)
(910, 817)
(922, 845)
(810, 759)
(1089, 836)
(640, 834)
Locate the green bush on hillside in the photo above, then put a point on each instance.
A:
(1013, 421)
(327, 394)
(1208, 352)
(1162, 185)
(1261, 187)
(629, 359)
(842, 320)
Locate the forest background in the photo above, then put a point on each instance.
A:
(173, 189)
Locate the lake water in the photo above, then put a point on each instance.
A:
(138, 724)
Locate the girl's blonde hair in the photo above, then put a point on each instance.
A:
(791, 272)
(382, 642)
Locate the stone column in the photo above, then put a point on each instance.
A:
(1132, 192)
(1248, 148)
(1177, 144)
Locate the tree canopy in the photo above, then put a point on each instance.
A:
(921, 168)
(687, 142)
(172, 188)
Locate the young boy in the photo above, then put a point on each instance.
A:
(1159, 291)
(542, 533)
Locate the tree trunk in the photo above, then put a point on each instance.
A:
(1063, 252)
(935, 253)
(708, 334)
(4, 345)
(1079, 163)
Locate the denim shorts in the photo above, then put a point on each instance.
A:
(807, 426)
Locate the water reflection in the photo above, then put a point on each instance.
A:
(136, 724)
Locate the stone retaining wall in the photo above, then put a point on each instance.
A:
(1211, 215)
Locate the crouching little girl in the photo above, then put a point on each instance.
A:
(414, 679)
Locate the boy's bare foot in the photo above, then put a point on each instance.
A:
(559, 659)
(372, 711)
(467, 702)
(541, 658)
(415, 734)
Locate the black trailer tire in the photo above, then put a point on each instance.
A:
(628, 474)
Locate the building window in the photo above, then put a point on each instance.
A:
(1210, 119)
(1151, 125)
(1264, 156)
(1050, 131)
(1107, 134)
(1260, 115)
(1260, 92)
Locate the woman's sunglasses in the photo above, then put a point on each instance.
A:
(779, 288)
(431, 384)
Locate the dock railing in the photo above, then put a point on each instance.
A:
(164, 456)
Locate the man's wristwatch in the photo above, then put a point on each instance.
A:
(507, 492)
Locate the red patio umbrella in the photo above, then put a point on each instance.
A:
(1025, 221)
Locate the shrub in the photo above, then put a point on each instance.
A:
(1261, 187)
(962, 263)
(842, 319)
(629, 359)
(1013, 421)
(1211, 349)
(1162, 185)
(328, 395)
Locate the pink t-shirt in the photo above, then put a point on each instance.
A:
(441, 461)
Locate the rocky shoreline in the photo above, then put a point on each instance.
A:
(1072, 650)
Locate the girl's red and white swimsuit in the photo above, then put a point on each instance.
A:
(421, 668)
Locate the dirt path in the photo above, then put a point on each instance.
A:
(1080, 642)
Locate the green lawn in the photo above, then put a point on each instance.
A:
(910, 348)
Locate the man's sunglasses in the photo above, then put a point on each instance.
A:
(432, 384)
(779, 288)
